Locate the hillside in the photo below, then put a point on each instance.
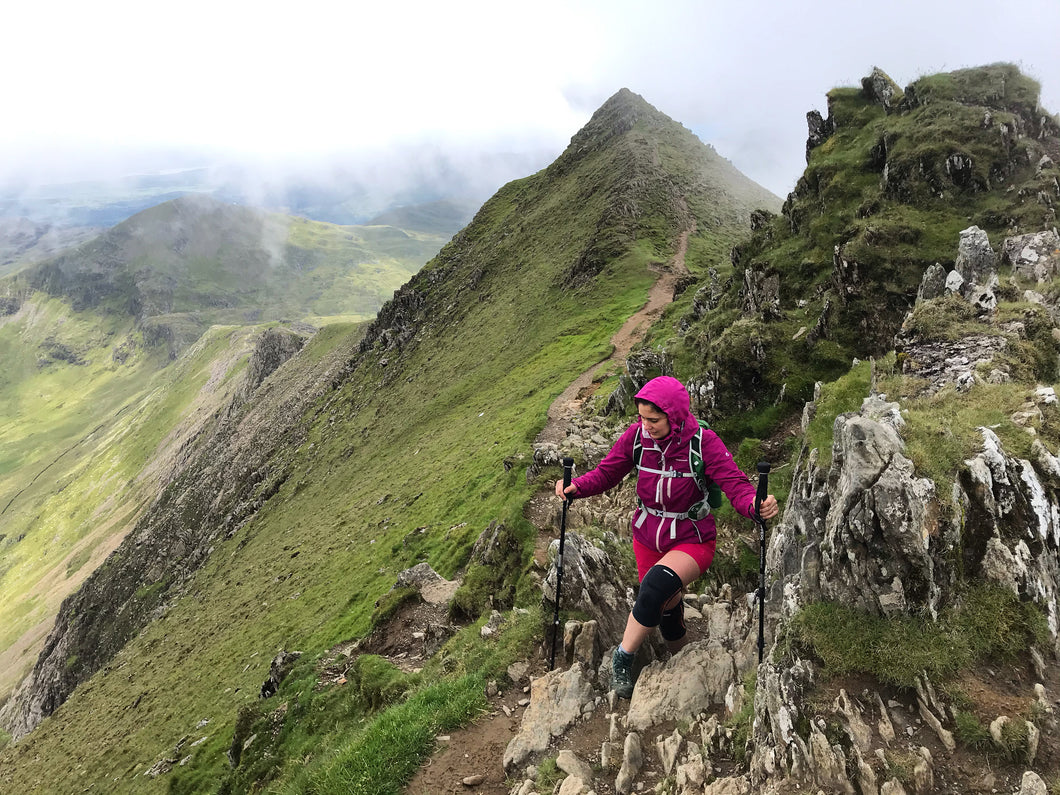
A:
(892, 178)
(90, 401)
(296, 509)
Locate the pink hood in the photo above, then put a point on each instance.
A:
(670, 395)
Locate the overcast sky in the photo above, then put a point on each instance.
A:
(95, 81)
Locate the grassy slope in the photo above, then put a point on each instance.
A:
(415, 439)
(77, 439)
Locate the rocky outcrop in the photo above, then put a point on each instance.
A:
(1033, 256)
(881, 89)
(273, 348)
(862, 532)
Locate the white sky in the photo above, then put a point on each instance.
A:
(310, 77)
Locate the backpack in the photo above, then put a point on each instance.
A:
(711, 491)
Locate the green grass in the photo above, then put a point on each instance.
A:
(987, 622)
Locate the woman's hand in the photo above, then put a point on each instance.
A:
(572, 490)
(768, 509)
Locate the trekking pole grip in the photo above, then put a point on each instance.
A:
(763, 485)
(568, 466)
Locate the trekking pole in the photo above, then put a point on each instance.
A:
(760, 496)
(568, 465)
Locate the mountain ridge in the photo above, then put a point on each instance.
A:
(498, 268)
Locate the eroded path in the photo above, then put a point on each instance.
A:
(661, 295)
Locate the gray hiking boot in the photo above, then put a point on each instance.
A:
(622, 673)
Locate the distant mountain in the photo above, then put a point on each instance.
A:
(193, 262)
(440, 217)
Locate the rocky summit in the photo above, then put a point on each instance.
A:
(347, 579)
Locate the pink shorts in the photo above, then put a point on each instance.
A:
(702, 554)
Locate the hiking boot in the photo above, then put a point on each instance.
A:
(622, 673)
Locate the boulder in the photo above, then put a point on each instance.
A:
(556, 701)
(1033, 256)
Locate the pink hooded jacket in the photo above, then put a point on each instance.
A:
(670, 494)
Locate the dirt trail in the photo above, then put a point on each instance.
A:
(566, 406)
(477, 749)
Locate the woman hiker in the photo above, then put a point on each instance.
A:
(672, 549)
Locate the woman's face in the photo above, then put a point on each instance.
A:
(654, 421)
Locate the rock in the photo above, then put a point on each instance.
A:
(828, 764)
(933, 285)
(884, 726)
(668, 748)
(892, 787)
(569, 763)
(473, 781)
(1034, 736)
(997, 725)
(556, 701)
(734, 785)
(1032, 784)
(632, 760)
(688, 684)
(274, 347)
(573, 785)
(819, 131)
(976, 261)
(945, 736)
(859, 731)
(692, 774)
(591, 585)
(866, 775)
(517, 671)
(924, 774)
(881, 89)
(762, 292)
(281, 665)
(1033, 256)
(432, 586)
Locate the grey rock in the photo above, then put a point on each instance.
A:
(556, 701)
(632, 761)
(1033, 256)
(976, 261)
(569, 763)
(1032, 784)
(933, 285)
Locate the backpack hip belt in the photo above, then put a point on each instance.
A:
(697, 511)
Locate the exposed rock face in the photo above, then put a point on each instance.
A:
(1034, 256)
(976, 261)
(275, 347)
(592, 585)
(820, 130)
(881, 89)
(862, 532)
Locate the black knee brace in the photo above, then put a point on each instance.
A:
(656, 589)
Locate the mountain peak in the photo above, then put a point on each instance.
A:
(616, 116)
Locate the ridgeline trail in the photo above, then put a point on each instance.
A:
(477, 750)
